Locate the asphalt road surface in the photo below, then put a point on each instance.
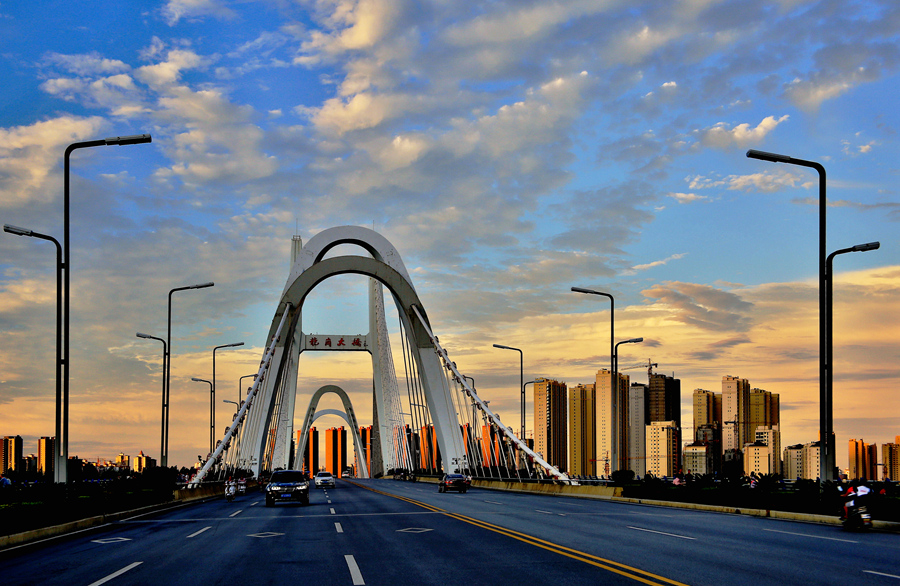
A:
(406, 534)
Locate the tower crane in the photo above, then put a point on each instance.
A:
(649, 365)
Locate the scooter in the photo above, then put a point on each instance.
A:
(858, 518)
(230, 491)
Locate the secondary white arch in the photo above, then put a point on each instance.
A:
(348, 415)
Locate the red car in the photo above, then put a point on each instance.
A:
(458, 482)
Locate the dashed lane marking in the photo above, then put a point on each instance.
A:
(196, 533)
(332, 511)
(338, 527)
(663, 533)
(116, 574)
(812, 536)
(236, 513)
(880, 574)
(354, 571)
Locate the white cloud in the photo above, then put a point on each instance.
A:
(722, 136)
(687, 197)
(29, 153)
(175, 10)
(656, 263)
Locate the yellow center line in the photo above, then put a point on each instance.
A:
(609, 565)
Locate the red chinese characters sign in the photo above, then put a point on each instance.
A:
(324, 342)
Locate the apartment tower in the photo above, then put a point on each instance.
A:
(582, 430)
(550, 422)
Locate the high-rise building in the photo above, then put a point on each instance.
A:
(550, 422)
(611, 449)
(664, 399)
(704, 408)
(792, 466)
(770, 435)
(662, 448)
(699, 458)
(490, 446)
(735, 413)
(764, 409)
(45, 456)
(582, 430)
(890, 458)
(636, 429)
(811, 460)
(3, 447)
(430, 454)
(310, 450)
(863, 460)
(757, 459)
(365, 436)
(336, 450)
(141, 462)
(14, 447)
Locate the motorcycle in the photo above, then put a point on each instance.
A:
(230, 491)
(858, 518)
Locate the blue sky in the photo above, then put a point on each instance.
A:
(509, 150)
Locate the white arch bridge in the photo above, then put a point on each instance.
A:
(439, 423)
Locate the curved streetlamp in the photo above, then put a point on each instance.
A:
(241, 385)
(162, 433)
(612, 351)
(63, 442)
(212, 414)
(826, 472)
(616, 413)
(829, 348)
(211, 409)
(521, 381)
(164, 458)
(59, 464)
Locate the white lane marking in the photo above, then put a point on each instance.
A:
(880, 574)
(253, 504)
(354, 571)
(329, 502)
(493, 502)
(545, 512)
(812, 536)
(236, 513)
(116, 574)
(663, 533)
(338, 527)
(195, 534)
(332, 511)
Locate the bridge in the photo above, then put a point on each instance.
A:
(381, 531)
(439, 424)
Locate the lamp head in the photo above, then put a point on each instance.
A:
(126, 140)
(16, 230)
(202, 285)
(634, 340)
(140, 335)
(867, 247)
(770, 157)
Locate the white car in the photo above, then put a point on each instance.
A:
(324, 479)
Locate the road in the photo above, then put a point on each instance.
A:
(389, 532)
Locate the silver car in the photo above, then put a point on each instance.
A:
(324, 479)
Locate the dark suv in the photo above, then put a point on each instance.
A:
(287, 485)
(454, 482)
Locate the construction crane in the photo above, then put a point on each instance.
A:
(649, 365)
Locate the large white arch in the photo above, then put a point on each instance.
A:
(278, 391)
(349, 416)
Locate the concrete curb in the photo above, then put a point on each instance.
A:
(180, 498)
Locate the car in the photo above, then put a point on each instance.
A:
(458, 482)
(287, 485)
(324, 479)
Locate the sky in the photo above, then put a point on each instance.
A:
(509, 150)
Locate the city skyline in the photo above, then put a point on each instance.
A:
(509, 152)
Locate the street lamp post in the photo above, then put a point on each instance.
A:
(824, 406)
(612, 352)
(64, 432)
(616, 423)
(162, 432)
(164, 458)
(241, 385)
(59, 463)
(212, 409)
(521, 381)
(212, 415)
(829, 349)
